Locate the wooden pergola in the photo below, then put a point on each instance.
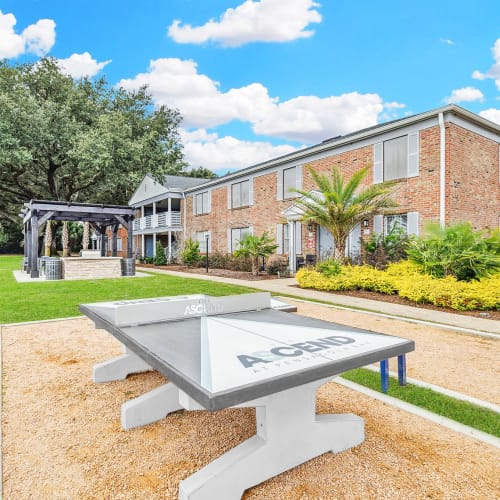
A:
(37, 212)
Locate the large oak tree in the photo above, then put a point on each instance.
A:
(78, 140)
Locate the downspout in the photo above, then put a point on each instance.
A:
(442, 172)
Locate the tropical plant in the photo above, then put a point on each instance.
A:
(380, 250)
(254, 247)
(191, 253)
(456, 250)
(65, 239)
(86, 236)
(341, 205)
(159, 259)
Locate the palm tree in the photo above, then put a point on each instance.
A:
(340, 206)
(255, 247)
(65, 239)
(86, 236)
(48, 238)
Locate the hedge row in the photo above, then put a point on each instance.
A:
(404, 280)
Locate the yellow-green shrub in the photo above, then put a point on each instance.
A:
(404, 279)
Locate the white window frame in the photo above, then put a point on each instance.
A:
(239, 185)
(202, 203)
(200, 237)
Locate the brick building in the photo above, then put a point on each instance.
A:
(445, 163)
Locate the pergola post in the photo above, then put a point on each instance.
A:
(27, 245)
(113, 240)
(102, 230)
(130, 237)
(34, 245)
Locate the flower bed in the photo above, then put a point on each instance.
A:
(405, 280)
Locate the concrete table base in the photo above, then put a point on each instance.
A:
(288, 432)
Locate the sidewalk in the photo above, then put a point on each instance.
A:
(287, 286)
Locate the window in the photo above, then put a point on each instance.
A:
(395, 222)
(202, 203)
(240, 194)
(289, 182)
(201, 238)
(396, 158)
(289, 179)
(238, 234)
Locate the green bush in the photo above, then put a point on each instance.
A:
(380, 250)
(456, 251)
(191, 254)
(159, 259)
(329, 268)
(406, 280)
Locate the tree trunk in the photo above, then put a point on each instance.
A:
(48, 238)
(255, 266)
(65, 239)
(86, 236)
(339, 251)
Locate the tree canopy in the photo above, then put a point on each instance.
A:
(78, 140)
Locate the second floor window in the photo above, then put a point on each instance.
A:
(396, 158)
(202, 203)
(240, 194)
(289, 182)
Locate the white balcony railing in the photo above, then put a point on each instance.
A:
(160, 220)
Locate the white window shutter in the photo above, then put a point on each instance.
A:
(194, 204)
(413, 223)
(209, 201)
(298, 237)
(250, 191)
(298, 179)
(279, 185)
(378, 224)
(378, 163)
(413, 161)
(229, 196)
(228, 240)
(279, 238)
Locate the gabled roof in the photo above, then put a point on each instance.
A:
(181, 182)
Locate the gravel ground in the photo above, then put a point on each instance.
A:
(62, 437)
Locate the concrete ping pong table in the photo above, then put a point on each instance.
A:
(239, 351)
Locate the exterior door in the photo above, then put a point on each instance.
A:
(148, 243)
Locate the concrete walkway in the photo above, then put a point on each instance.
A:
(288, 286)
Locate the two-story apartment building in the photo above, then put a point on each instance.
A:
(445, 164)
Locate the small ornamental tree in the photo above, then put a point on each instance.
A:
(159, 259)
(255, 247)
(191, 254)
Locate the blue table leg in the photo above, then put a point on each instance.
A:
(384, 375)
(402, 369)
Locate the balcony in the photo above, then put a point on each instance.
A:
(159, 221)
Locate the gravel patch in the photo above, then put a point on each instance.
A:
(62, 437)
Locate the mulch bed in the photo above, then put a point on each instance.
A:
(395, 299)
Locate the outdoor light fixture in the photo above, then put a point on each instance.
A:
(206, 256)
(310, 226)
(366, 223)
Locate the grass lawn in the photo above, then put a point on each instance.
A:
(466, 413)
(60, 299)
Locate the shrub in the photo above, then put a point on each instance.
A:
(380, 250)
(456, 251)
(191, 253)
(405, 279)
(277, 264)
(159, 259)
(329, 268)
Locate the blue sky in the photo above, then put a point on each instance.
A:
(256, 79)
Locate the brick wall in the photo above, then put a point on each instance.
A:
(472, 178)
(472, 181)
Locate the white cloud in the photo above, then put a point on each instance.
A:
(81, 65)
(491, 114)
(177, 83)
(447, 41)
(465, 94)
(221, 154)
(37, 38)
(253, 21)
(494, 71)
